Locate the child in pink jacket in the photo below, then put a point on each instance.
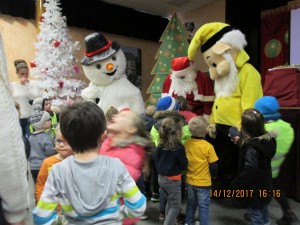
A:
(129, 141)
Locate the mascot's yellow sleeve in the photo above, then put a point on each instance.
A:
(228, 110)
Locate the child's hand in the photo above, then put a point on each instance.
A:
(235, 139)
(234, 133)
(212, 130)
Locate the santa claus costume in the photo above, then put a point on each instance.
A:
(195, 86)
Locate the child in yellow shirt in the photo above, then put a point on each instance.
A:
(202, 167)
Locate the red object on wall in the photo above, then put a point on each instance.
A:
(284, 85)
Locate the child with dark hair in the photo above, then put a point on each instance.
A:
(44, 104)
(202, 167)
(269, 107)
(85, 185)
(257, 148)
(167, 106)
(24, 90)
(170, 160)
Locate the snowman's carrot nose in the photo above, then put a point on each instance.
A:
(110, 66)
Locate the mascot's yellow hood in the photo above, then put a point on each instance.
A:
(206, 36)
(210, 33)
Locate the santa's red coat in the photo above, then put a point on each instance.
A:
(204, 100)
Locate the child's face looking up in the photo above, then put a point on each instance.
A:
(122, 122)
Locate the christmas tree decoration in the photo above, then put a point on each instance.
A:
(76, 69)
(54, 64)
(43, 71)
(173, 44)
(60, 84)
(32, 64)
(56, 44)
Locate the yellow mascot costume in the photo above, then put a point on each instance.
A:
(237, 87)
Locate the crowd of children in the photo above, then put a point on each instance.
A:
(67, 183)
(175, 162)
(162, 154)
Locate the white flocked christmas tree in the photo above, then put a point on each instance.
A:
(55, 64)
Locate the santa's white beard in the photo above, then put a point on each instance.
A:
(225, 86)
(181, 87)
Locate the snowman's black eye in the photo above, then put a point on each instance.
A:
(114, 58)
(98, 66)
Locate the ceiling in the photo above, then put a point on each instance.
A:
(144, 19)
(163, 8)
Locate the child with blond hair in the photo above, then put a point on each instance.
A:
(131, 143)
(201, 168)
(110, 112)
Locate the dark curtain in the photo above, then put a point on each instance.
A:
(290, 169)
(274, 40)
(283, 84)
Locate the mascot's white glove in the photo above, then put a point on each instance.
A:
(91, 92)
(212, 130)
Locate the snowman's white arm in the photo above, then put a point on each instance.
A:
(91, 92)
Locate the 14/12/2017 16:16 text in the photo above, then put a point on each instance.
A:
(238, 193)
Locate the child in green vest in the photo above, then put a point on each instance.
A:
(44, 104)
(269, 107)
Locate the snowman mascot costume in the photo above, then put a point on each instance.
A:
(237, 86)
(104, 64)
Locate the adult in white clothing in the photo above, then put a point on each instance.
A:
(24, 90)
(13, 167)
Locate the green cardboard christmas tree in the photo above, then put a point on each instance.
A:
(173, 44)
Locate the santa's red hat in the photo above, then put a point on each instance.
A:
(180, 65)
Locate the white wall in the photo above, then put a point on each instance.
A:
(295, 37)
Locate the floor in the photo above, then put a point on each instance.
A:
(222, 213)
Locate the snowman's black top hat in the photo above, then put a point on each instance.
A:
(98, 48)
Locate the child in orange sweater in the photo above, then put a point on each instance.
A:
(63, 151)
